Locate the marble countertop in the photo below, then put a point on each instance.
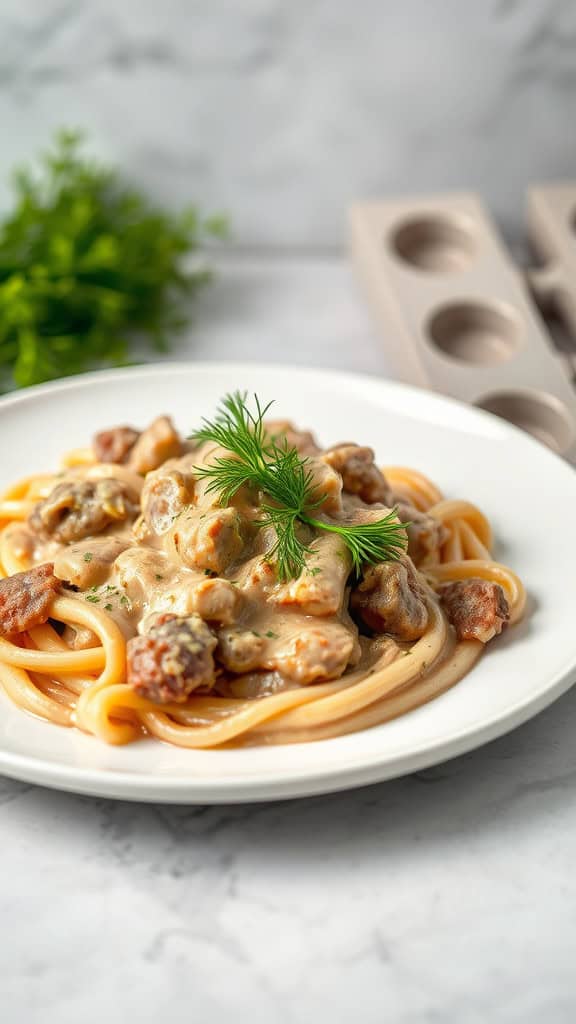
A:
(281, 113)
(444, 898)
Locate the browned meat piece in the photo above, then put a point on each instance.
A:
(160, 441)
(328, 483)
(284, 432)
(217, 601)
(477, 608)
(390, 599)
(115, 445)
(77, 509)
(165, 494)
(360, 475)
(173, 659)
(319, 590)
(425, 534)
(25, 599)
(210, 541)
(240, 650)
(316, 653)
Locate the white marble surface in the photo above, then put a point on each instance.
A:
(282, 112)
(444, 898)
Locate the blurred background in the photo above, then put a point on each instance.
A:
(280, 113)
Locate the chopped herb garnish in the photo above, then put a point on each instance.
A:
(108, 607)
(124, 600)
(88, 556)
(158, 576)
(255, 632)
(314, 571)
(273, 636)
(93, 598)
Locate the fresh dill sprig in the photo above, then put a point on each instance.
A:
(259, 461)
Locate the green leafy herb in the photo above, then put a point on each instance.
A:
(108, 607)
(93, 598)
(271, 635)
(88, 556)
(158, 576)
(287, 480)
(85, 263)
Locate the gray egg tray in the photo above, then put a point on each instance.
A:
(458, 316)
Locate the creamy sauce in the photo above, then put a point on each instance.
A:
(151, 550)
(185, 554)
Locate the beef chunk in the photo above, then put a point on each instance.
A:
(283, 432)
(78, 509)
(426, 534)
(360, 475)
(25, 599)
(325, 481)
(477, 608)
(115, 445)
(316, 653)
(211, 541)
(390, 599)
(217, 601)
(173, 659)
(319, 590)
(164, 496)
(160, 441)
(240, 650)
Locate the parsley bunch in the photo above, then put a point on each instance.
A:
(85, 264)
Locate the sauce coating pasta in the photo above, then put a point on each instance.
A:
(159, 612)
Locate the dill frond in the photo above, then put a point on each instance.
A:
(283, 476)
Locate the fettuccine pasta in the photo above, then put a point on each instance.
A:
(133, 604)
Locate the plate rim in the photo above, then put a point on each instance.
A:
(114, 785)
(325, 778)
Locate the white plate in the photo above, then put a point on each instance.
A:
(528, 493)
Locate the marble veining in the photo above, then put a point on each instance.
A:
(282, 113)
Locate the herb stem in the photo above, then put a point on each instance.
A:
(287, 479)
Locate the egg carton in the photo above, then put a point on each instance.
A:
(458, 316)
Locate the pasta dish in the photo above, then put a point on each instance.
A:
(241, 586)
